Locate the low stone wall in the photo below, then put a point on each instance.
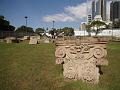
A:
(83, 61)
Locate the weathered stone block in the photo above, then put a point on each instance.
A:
(33, 40)
(80, 62)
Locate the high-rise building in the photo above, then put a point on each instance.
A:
(103, 9)
(89, 18)
(99, 8)
(93, 9)
(115, 10)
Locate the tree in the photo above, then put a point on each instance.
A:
(2, 17)
(88, 28)
(23, 30)
(40, 31)
(5, 25)
(52, 32)
(68, 31)
(116, 23)
(59, 31)
(97, 26)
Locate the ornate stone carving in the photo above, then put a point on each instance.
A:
(81, 62)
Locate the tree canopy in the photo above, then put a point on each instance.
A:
(66, 31)
(40, 31)
(24, 29)
(116, 24)
(88, 28)
(5, 25)
(52, 32)
(97, 26)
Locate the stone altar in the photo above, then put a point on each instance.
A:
(82, 61)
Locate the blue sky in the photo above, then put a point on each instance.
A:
(41, 13)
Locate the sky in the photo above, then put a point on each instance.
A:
(41, 13)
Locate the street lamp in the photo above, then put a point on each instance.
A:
(26, 23)
(53, 24)
(53, 29)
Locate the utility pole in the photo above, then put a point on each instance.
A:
(26, 23)
(53, 29)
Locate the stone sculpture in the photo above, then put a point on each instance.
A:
(9, 39)
(81, 62)
(33, 40)
(25, 38)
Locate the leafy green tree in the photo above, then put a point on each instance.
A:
(2, 17)
(53, 33)
(23, 30)
(88, 29)
(116, 24)
(5, 25)
(68, 31)
(58, 31)
(98, 25)
(40, 31)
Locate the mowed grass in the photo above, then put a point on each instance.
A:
(32, 67)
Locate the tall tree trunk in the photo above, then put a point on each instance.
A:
(96, 32)
(89, 34)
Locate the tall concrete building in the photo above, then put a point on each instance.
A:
(93, 9)
(89, 18)
(99, 8)
(115, 10)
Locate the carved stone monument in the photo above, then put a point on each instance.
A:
(83, 61)
(9, 39)
(33, 40)
(25, 37)
(43, 39)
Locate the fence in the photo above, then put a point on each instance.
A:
(4, 34)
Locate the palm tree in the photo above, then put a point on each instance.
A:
(98, 25)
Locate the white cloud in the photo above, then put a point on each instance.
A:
(78, 11)
(62, 17)
(70, 14)
(74, 13)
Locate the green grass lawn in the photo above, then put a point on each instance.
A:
(32, 67)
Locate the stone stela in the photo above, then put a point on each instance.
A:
(81, 61)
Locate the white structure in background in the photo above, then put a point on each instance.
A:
(80, 33)
(106, 32)
(115, 33)
(49, 35)
(82, 25)
(98, 18)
